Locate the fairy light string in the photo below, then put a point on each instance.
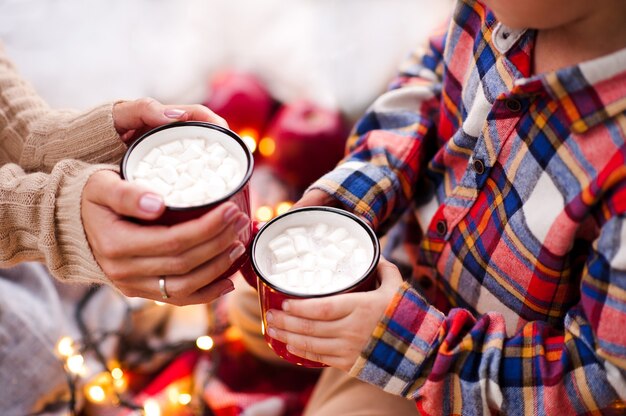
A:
(105, 386)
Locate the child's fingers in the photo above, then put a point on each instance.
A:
(390, 276)
(311, 344)
(310, 327)
(322, 309)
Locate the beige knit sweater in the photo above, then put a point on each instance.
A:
(46, 157)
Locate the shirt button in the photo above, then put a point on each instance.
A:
(425, 282)
(441, 227)
(479, 166)
(513, 105)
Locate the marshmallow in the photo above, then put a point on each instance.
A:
(196, 167)
(359, 256)
(320, 231)
(284, 253)
(213, 161)
(200, 141)
(308, 279)
(338, 235)
(288, 265)
(293, 278)
(143, 170)
(279, 277)
(279, 242)
(302, 243)
(152, 156)
(165, 160)
(332, 252)
(219, 151)
(226, 171)
(325, 277)
(308, 261)
(327, 263)
(172, 148)
(216, 187)
(168, 174)
(295, 231)
(191, 153)
(158, 185)
(348, 245)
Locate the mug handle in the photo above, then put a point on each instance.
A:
(246, 268)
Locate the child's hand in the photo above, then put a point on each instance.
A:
(333, 330)
(133, 118)
(316, 197)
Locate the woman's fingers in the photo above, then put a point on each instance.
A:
(131, 267)
(106, 188)
(120, 237)
(145, 113)
(192, 287)
(215, 231)
(196, 112)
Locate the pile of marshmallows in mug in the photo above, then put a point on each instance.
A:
(189, 172)
(315, 260)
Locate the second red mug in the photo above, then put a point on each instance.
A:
(310, 252)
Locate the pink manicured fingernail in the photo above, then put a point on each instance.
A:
(150, 203)
(230, 213)
(241, 224)
(173, 113)
(227, 290)
(269, 317)
(236, 252)
(285, 306)
(271, 332)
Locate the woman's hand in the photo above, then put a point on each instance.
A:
(134, 257)
(334, 329)
(133, 118)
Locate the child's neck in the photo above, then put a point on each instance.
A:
(595, 35)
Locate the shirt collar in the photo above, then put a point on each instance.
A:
(589, 93)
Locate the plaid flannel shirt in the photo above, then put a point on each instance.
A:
(515, 186)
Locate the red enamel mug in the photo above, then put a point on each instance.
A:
(350, 275)
(209, 133)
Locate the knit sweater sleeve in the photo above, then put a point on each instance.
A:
(42, 179)
(37, 137)
(41, 221)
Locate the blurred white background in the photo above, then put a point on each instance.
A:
(336, 52)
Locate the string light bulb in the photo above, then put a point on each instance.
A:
(283, 207)
(117, 373)
(65, 347)
(151, 408)
(184, 399)
(267, 146)
(96, 394)
(99, 389)
(204, 342)
(172, 394)
(76, 364)
(249, 137)
(264, 213)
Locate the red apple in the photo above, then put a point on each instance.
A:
(309, 141)
(242, 99)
